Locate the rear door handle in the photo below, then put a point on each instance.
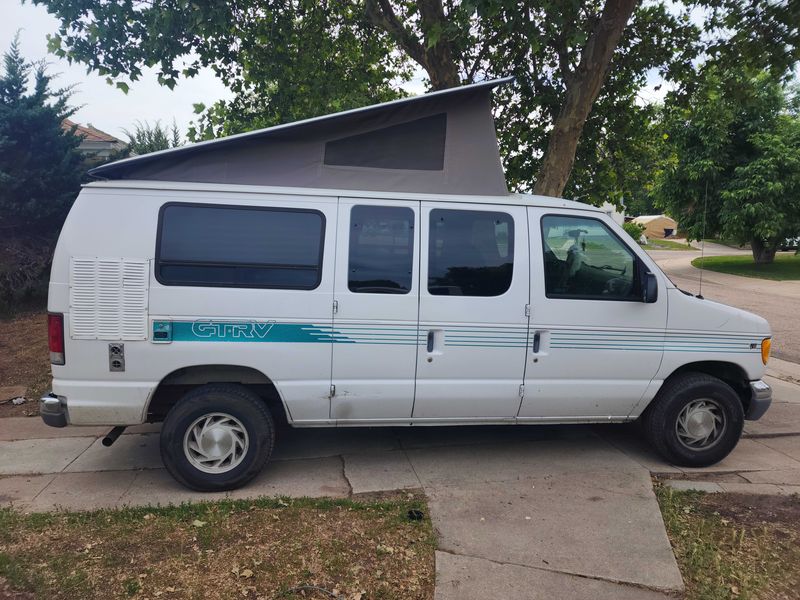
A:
(537, 338)
(430, 340)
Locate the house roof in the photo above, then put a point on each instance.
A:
(645, 219)
(441, 142)
(89, 133)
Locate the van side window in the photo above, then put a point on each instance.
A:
(470, 253)
(583, 259)
(381, 250)
(239, 246)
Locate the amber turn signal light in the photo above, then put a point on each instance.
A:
(766, 346)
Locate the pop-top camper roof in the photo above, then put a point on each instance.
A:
(441, 142)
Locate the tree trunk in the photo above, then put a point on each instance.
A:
(583, 86)
(435, 56)
(440, 64)
(763, 254)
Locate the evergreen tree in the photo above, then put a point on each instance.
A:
(40, 165)
(147, 138)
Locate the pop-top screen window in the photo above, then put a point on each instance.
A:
(237, 246)
(415, 145)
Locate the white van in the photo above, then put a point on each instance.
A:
(222, 286)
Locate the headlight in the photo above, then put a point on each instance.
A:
(766, 346)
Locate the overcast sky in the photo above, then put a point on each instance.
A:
(107, 107)
(104, 106)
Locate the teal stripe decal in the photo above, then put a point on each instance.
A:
(455, 336)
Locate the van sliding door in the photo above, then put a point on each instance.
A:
(473, 323)
(376, 303)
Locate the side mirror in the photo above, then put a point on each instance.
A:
(649, 288)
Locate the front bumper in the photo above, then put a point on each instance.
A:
(760, 399)
(53, 410)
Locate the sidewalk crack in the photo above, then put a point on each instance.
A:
(344, 476)
(778, 451)
(82, 452)
(560, 572)
(413, 469)
(41, 491)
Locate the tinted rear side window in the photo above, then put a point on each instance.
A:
(470, 253)
(381, 249)
(236, 246)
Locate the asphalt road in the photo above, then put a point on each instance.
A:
(776, 301)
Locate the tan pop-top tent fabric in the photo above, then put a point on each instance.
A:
(441, 142)
(656, 226)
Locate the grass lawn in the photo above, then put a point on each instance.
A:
(245, 549)
(657, 244)
(734, 545)
(785, 267)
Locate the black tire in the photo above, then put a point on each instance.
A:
(661, 417)
(233, 400)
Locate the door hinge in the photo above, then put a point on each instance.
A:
(522, 390)
(527, 310)
(333, 391)
(335, 306)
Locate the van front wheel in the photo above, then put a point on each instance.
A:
(217, 437)
(695, 420)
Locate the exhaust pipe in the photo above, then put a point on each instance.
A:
(112, 435)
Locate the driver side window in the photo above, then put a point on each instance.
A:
(583, 259)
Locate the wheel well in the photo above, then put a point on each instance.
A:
(730, 373)
(180, 381)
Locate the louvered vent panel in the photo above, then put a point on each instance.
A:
(108, 299)
(134, 300)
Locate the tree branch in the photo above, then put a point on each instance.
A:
(381, 14)
(475, 65)
(560, 46)
(583, 88)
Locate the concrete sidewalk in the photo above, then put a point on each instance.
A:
(534, 512)
(557, 505)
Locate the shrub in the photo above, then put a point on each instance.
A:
(634, 230)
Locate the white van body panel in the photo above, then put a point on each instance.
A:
(342, 358)
(596, 357)
(454, 377)
(374, 375)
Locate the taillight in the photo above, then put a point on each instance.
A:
(55, 337)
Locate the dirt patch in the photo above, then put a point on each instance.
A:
(754, 510)
(6, 593)
(729, 477)
(734, 545)
(267, 548)
(24, 360)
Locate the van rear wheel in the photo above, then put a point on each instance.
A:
(695, 420)
(217, 437)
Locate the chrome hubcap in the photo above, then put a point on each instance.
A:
(700, 424)
(216, 443)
